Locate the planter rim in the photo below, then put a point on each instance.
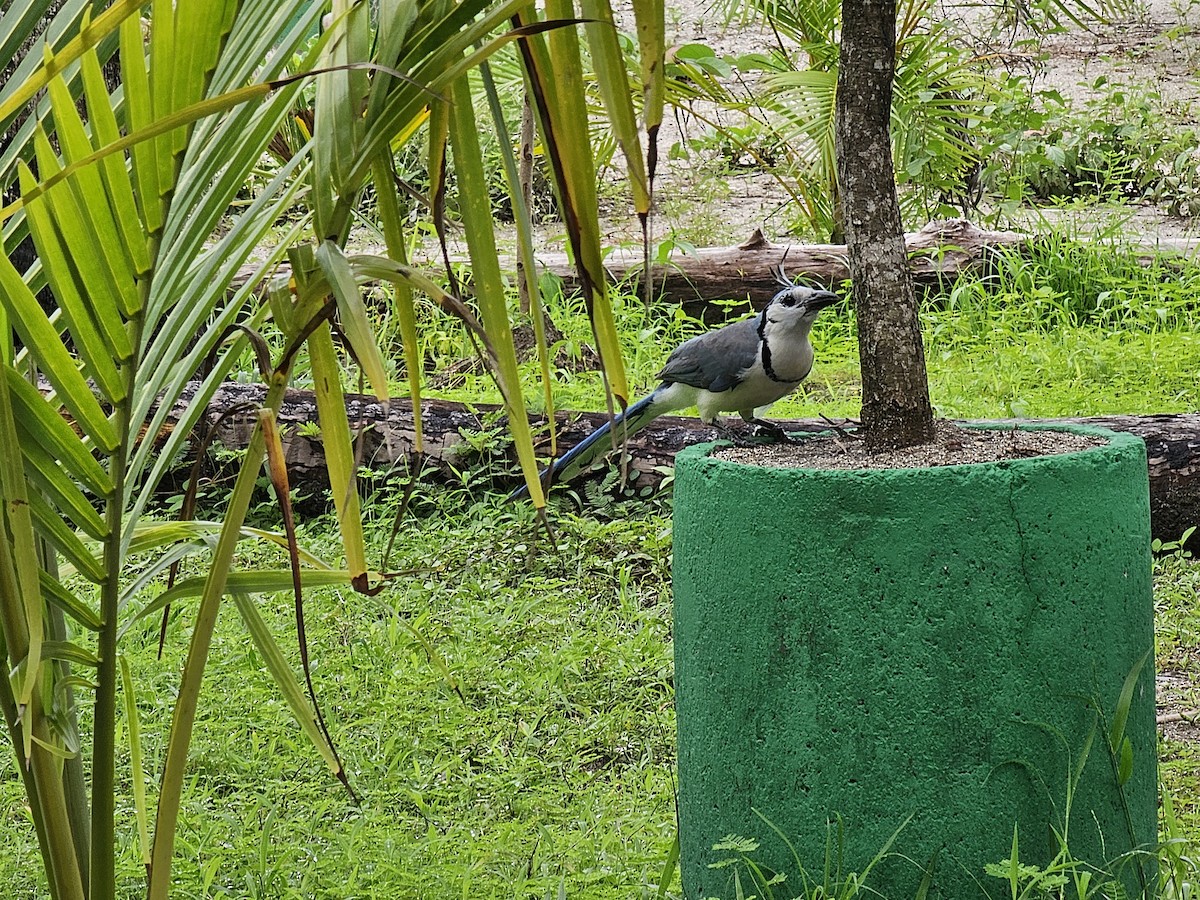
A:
(1116, 441)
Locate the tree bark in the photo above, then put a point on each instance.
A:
(896, 411)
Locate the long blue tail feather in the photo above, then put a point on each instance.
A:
(575, 460)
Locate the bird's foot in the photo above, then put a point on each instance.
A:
(771, 430)
(754, 432)
(739, 437)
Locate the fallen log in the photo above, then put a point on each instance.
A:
(694, 279)
(385, 444)
(937, 254)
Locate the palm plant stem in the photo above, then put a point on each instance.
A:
(74, 779)
(62, 869)
(104, 737)
(41, 770)
(30, 778)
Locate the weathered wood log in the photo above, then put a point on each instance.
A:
(937, 254)
(386, 444)
(1173, 457)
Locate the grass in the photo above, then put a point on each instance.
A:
(1177, 650)
(523, 745)
(1070, 329)
(535, 750)
(532, 755)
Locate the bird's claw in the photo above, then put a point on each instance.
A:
(744, 440)
(774, 432)
(771, 432)
(739, 437)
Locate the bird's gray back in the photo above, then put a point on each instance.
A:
(714, 361)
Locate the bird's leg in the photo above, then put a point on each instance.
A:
(772, 430)
(736, 436)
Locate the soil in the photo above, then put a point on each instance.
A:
(1179, 704)
(1154, 51)
(954, 445)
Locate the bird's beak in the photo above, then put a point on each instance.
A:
(821, 299)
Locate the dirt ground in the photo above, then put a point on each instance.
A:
(1155, 49)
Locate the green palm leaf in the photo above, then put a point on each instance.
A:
(42, 342)
(122, 212)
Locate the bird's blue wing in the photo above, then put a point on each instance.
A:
(714, 361)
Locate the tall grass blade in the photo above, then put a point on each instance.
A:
(277, 466)
(339, 451)
(554, 75)
(650, 16)
(670, 865)
(528, 262)
(1014, 867)
(337, 122)
(352, 316)
(384, 174)
(184, 715)
(926, 884)
(609, 64)
(1116, 735)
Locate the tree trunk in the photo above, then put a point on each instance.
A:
(896, 411)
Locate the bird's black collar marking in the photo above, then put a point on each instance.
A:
(766, 351)
(768, 368)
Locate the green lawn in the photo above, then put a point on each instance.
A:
(532, 754)
(535, 750)
(505, 710)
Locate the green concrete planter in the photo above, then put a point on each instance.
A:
(865, 646)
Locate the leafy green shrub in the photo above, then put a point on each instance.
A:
(1057, 281)
(1119, 144)
(1178, 187)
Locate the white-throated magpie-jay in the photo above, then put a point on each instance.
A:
(740, 368)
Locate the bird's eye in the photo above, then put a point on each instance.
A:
(789, 300)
